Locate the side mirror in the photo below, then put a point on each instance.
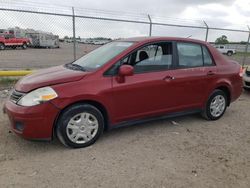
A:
(124, 70)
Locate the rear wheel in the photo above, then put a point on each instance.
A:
(24, 46)
(2, 46)
(80, 126)
(216, 105)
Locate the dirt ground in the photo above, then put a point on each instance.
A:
(36, 58)
(42, 58)
(179, 152)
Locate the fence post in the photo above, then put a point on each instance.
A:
(74, 33)
(206, 31)
(246, 49)
(150, 25)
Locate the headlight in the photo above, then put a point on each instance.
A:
(38, 96)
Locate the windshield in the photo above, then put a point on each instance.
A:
(102, 55)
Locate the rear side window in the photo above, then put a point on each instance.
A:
(190, 55)
(193, 55)
(207, 58)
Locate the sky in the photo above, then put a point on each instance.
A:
(233, 14)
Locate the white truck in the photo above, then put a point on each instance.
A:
(225, 50)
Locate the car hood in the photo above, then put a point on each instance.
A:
(47, 77)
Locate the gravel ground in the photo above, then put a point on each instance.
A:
(180, 152)
(41, 58)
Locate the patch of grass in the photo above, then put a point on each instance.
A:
(241, 54)
(8, 81)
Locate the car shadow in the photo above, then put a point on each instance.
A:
(167, 123)
(108, 136)
(11, 49)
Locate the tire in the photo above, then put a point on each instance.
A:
(246, 89)
(2, 46)
(209, 112)
(72, 129)
(229, 53)
(24, 46)
(13, 47)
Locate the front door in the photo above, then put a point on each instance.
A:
(150, 91)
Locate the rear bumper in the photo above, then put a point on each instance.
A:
(35, 123)
(236, 91)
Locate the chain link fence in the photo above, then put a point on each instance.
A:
(60, 35)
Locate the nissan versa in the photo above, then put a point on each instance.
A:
(124, 82)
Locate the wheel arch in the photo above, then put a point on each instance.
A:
(94, 103)
(223, 85)
(227, 91)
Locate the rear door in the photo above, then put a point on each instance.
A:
(195, 71)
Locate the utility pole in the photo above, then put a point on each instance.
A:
(150, 25)
(206, 31)
(74, 33)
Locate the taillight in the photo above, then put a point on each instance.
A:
(241, 71)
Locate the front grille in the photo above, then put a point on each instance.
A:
(16, 96)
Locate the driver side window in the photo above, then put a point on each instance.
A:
(153, 57)
(9, 36)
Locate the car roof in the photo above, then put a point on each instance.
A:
(152, 39)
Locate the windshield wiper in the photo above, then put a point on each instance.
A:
(78, 67)
(75, 67)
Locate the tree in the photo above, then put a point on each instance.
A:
(222, 40)
(66, 37)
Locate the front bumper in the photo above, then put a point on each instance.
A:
(35, 123)
(246, 81)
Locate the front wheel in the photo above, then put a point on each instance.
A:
(2, 46)
(80, 126)
(216, 105)
(246, 88)
(229, 53)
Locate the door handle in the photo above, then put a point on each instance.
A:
(210, 73)
(168, 78)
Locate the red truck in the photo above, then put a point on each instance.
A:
(9, 40)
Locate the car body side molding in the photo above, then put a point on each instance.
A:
(150, 119)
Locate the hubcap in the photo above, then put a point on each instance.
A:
(217, 105)
(82, 128)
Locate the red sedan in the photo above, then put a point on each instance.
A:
(124, 82)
